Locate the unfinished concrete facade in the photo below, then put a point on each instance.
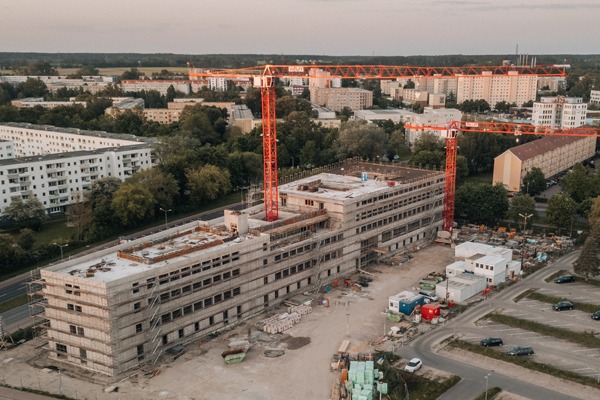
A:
(116, 309)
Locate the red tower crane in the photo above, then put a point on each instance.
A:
(455, 127)
(266, 74)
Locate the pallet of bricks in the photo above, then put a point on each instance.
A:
(282, 322)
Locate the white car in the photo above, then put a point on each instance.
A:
(413, 365)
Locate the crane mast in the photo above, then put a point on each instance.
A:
(268, 73)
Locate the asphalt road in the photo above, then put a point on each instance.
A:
(473, 383)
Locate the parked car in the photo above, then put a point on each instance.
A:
(491, 341)
(596, 315)
(564, 279)
(428, 295)
(413, 365)
(562, 305)
(521, 351)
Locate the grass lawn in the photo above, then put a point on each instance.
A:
(484, 177)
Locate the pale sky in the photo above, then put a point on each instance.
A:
(315, 27)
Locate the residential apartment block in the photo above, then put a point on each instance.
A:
(551, 154)
(111, 311)
(512, 88)
(55, 164)
(30, 102)
(559, 112)
(430, 117)
(337, 98)
(160, 86)
(91, 84)
(595, 97)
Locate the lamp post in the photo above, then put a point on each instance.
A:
(524, 229)
(166, 211)
(61, 248)
(486, 385)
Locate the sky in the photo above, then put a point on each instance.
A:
(314, 27)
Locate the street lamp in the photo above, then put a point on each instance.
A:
(524, 229)
(486, 385)
(61, 248)
(166, 211)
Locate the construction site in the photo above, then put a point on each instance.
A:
(127, 306)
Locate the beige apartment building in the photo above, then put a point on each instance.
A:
(111, 311)
(551, 154)
(512, 88)
(337, 98)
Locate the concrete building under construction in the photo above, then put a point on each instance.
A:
(114, 310)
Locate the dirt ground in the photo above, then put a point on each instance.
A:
(302, 372)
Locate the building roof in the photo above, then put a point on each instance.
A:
(541, 146)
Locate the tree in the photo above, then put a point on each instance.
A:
(26, 239)
(594, 214)
(462, 168)
(502, 106)
(101, 204)
(162, 186)
(588, 263)
(581, 183)
(207, 183)
(133, 203)
(244, 167)
(10, 253)
(521, 204)
(29, 213)
(32, 87)
(133, 73)
(428, 141)
(79, 214)
(481, 203)
(357, 138)
(428, 158)
(534, 182)
(561, 211)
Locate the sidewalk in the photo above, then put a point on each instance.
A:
(13, 394)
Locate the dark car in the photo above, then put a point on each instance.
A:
(521, 351)
(596, 315)
(562, 305)
(491, 341)
(564, 279)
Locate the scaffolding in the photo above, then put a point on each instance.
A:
(4, 336)
(37, 304)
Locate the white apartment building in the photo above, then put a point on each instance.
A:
(160, 86)
(54, 164)
(92, 84)
(553, 83)
(7, 149)
(559, 112)
(512, 88)
(430, 117)
(111, 311)
(30, 102)
(595, 97)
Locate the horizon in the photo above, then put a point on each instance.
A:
(347, 28)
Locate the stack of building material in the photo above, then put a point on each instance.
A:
(302, 309)
(361, 378)
(280, 322)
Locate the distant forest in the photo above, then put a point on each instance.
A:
(9, 61)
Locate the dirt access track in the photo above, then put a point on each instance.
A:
(302, 372)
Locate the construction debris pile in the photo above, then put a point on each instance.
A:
(282, 322)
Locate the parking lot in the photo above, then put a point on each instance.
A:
(562, 354)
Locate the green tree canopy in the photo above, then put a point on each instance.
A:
(581, 183)
(28, 214)
(481, 203)
(588, 263)
(133, 203)
(207, 183)
(521, 204)
(358, 138)
(100, 199)
(162, 185)
(561, 211)
(534, 182)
